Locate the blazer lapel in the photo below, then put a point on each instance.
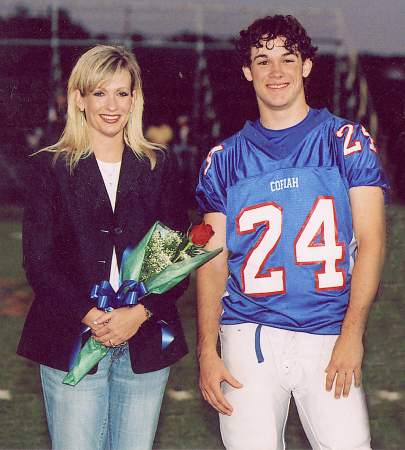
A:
(131, 168)
(89, 181)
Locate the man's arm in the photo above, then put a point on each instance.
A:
(367, 204)
(211, 285)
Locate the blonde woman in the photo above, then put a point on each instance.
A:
(91, 195)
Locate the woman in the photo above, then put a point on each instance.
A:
(93, 194)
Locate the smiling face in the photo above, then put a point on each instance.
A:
(107, 107)
(277, 76)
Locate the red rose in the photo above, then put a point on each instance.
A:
(200, 234)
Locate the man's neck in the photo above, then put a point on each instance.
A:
(282, 119)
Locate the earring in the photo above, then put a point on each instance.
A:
(130, 120)
(81, 118)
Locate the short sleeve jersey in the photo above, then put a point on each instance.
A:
(289, 230)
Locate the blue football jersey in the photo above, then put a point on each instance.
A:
(289, 225)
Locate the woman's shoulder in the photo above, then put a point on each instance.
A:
(47, 158)
(45, 165)
(163, 160)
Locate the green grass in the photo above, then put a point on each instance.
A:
(191, 423)
(384, 363)
(10, 244)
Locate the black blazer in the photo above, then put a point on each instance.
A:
(69, 231)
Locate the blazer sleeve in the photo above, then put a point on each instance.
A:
(172, 212)
(171, 207)
(47, 271)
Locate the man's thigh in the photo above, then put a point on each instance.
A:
(328, 422)
(260, 407)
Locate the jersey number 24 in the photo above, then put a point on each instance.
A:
(328, 251)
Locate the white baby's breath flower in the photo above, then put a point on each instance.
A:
(159, 253)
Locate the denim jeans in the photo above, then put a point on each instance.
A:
(113, 409)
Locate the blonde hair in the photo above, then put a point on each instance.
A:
(102, 63)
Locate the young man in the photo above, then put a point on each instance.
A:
(293, 199)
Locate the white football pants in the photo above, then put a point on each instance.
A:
(294, 364)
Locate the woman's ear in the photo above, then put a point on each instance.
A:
(78, 99)
(133, 97)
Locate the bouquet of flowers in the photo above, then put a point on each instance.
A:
(161, 260)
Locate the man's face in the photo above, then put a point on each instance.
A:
(277, 75)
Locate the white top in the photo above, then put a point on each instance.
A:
(111, 174)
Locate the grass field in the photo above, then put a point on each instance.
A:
(186, 421)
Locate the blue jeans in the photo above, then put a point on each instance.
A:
(113, 409)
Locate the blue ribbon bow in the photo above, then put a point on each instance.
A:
(108, 300)
(127, 295)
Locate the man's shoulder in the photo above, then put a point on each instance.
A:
(338, 122)
(238, 137)
(227, 146)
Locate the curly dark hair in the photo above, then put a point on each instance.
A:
(269, 28)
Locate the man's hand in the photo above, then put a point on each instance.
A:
(346, 360)
(367, 204)
(211, 285)
(212, 373)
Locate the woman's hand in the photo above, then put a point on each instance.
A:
(91, 317)
(114, 328)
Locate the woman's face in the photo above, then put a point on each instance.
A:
(107, 107)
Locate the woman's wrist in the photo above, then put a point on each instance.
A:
(148, 313)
